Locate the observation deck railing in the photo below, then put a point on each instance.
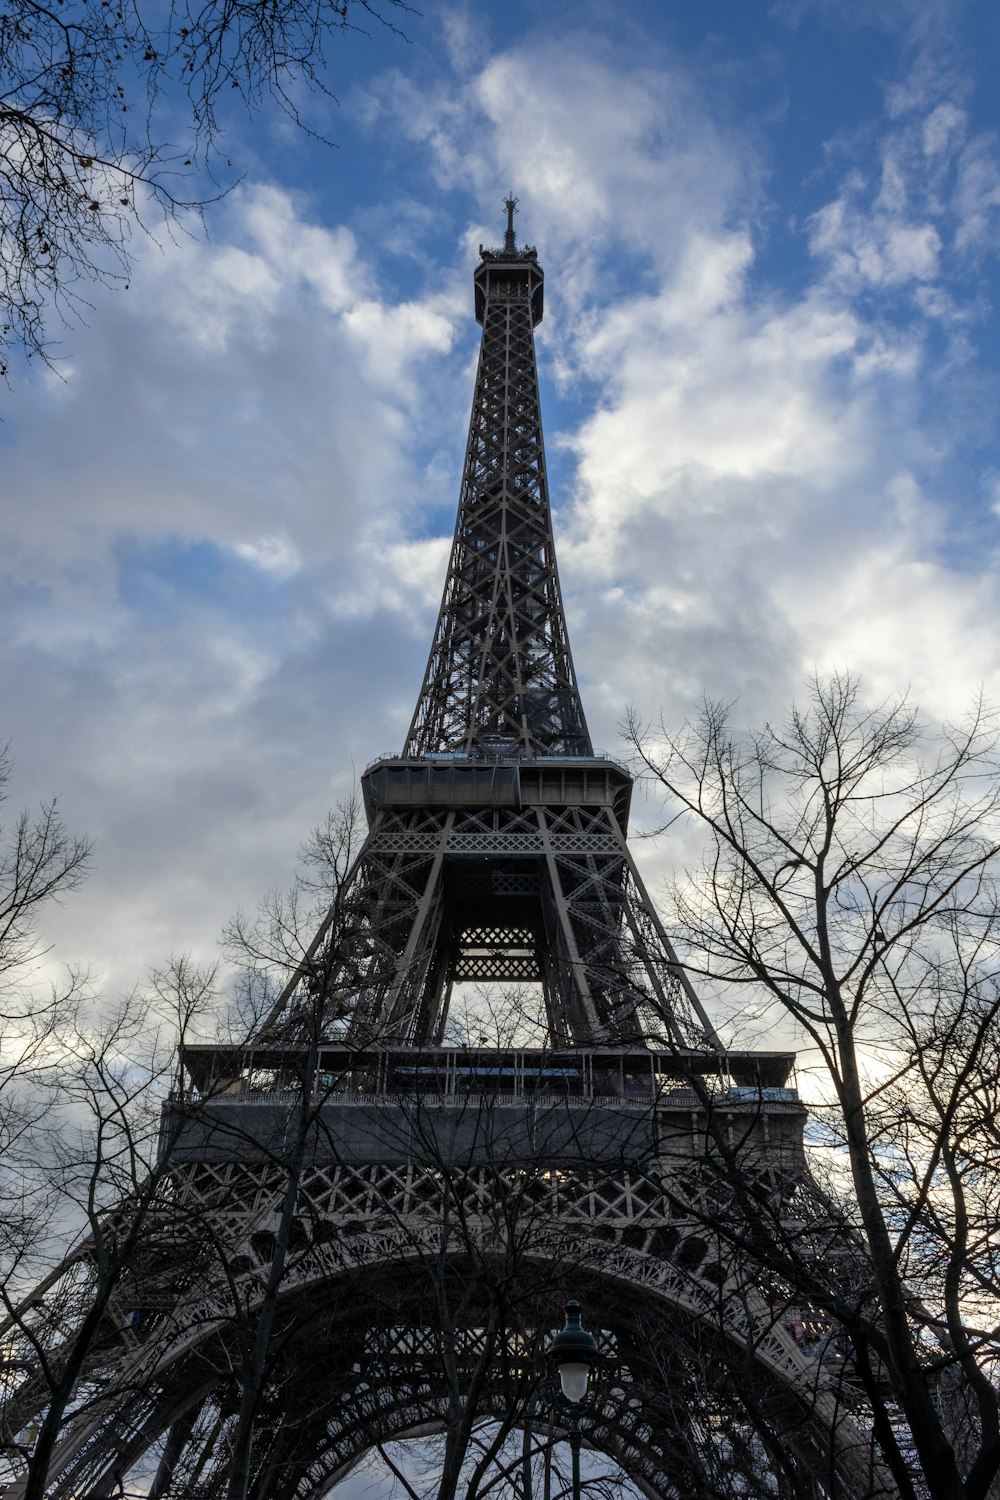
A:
(517, 754)
(736, 1099)
(483, 1128)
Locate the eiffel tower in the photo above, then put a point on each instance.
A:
(441, 1195)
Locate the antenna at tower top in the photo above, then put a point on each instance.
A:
(509, 239)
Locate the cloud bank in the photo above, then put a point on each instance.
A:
(769, 410)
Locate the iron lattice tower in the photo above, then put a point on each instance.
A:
(405, 1213)
(497, 848)
(500, 679)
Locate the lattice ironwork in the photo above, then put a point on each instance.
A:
(557, 890)
(498, 817)
(496, 852)
(359, 1339)
(500, 674)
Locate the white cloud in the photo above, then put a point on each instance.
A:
(322, 259)
(232, 461)
(942, 127)
(402, 577)
(874, 248)
(389, 339)
(745, 459)
(905, 621)
(233, 286)
(977, 197)
(226, 570)
(272, 554)
(935, 194)
(991, 486)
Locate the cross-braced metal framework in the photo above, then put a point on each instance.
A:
(500, 676)
(546, 893)
(411, 1280)
(497, 848)
(407, 1215)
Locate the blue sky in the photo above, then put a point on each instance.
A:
(770, 378)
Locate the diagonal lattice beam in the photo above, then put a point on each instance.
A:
(500, 674)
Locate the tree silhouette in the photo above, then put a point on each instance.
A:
(112, 114)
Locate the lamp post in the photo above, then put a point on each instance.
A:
(572, 1355)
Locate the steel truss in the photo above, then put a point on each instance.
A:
(360, 1344)
(500, 674)
(496, 853)
(541, 894)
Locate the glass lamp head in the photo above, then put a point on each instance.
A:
(573, 1352)
(573, 1380)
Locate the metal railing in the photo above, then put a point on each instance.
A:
(518, 756)
(669, 1099)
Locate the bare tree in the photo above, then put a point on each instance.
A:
(106, 1243)
(380, 1237)
(850, 886)
(41, 862)
(272, 949)
(97, 1222)
(111, 114)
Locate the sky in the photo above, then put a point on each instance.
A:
(769, 368)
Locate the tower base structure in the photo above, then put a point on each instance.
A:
(445, 1203)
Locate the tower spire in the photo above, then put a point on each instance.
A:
(500, 676)
(509, 239)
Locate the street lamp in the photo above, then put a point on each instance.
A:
(572, 1355)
